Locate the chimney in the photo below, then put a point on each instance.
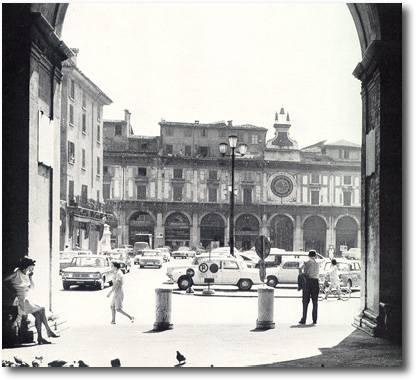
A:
(230, 123)
(74, 58)
(127, 115)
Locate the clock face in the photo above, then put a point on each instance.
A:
(282, 186)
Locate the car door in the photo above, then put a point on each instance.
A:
(289, 272)
(230, 272)
(356, 275)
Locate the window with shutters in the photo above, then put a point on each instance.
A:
(70, 190)
(83, 159)
(84, 123)
(84, 100)
(315, 178)
(347, 180)
(98, 132)
(71, 152)
(106, 190)
(177, 193)
(98, 166)
(347, 198)
(315, 197)
(141, 191)
(212, 174)
(203, 151)
(248, 196)
(71, 115)
(141, 172)
(84, 193)
(118, 130)
(169, 149)
(71, 89)
(188, 151)
(178, 173)
(212, 194)
(254, 139)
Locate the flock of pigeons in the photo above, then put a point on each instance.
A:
(38, 362)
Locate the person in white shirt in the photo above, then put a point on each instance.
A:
(334, 278)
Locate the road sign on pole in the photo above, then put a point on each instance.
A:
(262, 245)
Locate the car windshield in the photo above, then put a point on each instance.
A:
(88, 262)
(343, 267)
(150, 253)
(66, 255)
(141, 245)
(183, 249)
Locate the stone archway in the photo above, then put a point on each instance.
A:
(212, 228)
(281, 232)
(141, 222)
(33, 32)
(177, 230)
(247, 229)
(346, 234)
(314, 234)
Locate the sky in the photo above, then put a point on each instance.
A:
(223, 61)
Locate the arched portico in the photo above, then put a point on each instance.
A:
(346, 229)
(282, 232)
(247, 229)
(379, 31)
(141, 222)
(212, 229)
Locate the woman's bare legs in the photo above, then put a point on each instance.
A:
(42, 317)
(121, 311)
(113, 314)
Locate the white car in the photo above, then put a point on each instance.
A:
(287, 272)
(224, 251)
(230, 271)
(165, 252)
(150, 258)
(183, 253)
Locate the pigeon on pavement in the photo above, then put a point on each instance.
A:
(180, 358)
(82, 364)
(57, 363)
(115, 363)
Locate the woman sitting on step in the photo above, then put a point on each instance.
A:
(22, 282)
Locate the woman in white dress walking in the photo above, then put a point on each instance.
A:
(118, 294)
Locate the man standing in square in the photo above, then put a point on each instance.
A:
(311, 288)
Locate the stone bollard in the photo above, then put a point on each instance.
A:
(265, 309)
(163, 309)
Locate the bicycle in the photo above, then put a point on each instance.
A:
(326, 291)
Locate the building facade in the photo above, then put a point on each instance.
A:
(178, 191)
(82, 210)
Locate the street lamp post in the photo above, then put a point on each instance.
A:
(242, 149)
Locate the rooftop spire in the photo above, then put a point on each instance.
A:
(287, 117)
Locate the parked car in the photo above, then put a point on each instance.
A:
(150, 257)
(287, 272)
(92, 270)
(349, 272)
(65, 258)
(139, 247)
(124, 265)
(224, 251)
(165, 252)
(277, 256)
(353, 253)
(128, 248)
(183, 253)
(231, 271)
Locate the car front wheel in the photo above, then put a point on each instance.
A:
(101, 284)
(66, 285)
(244, 284)
(272, 281)
(184, 282)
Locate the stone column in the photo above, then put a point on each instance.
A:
(264, 229)
(381, 82)
(159, 231)
(195, 233)
(298, 235)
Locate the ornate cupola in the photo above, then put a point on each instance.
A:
(281, 126)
